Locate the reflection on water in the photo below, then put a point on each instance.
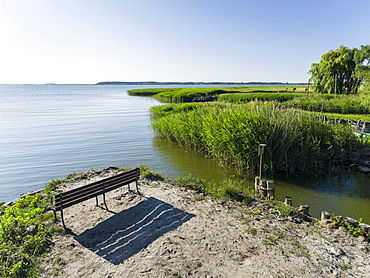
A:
(342, 192)
(184, 161)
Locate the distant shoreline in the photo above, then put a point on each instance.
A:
(194, 83)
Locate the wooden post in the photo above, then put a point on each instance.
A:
(270, 185)
(304, 208)
(351, 221)
(325, 215)
(288, 201)
(256, 184)
(365, 228)
(363, 129)
(262, 187)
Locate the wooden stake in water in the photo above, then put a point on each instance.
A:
(260, 153)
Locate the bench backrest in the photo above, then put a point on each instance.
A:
(83, 193)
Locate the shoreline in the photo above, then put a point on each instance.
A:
(196, 235)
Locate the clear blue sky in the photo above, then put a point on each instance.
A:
(87, 41)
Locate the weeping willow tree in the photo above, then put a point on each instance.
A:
(344, 66)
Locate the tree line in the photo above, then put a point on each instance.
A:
(342, 70)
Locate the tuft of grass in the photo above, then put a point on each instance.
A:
(146, 173)
(251, 231)
(225, 190)
(356, 231)
(269, 240)
(285, 210)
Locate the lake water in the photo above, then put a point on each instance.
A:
(50, 131)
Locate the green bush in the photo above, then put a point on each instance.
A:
(25, 229)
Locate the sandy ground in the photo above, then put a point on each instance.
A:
(169, 231)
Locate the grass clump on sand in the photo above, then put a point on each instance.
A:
(224, 190)
(296, 142)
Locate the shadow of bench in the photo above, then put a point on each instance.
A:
(126, 233)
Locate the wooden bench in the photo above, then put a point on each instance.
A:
(72, 197)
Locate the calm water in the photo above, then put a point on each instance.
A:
(50, 131)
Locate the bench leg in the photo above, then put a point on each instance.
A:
(137, 189)
(64, 225)
(96, 198)
(105, 202)
(104, 198)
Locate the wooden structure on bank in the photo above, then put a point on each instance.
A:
(266, 189)
(72, 197)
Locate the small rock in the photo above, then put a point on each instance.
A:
(364, 248)
(363, 169)
(361, 238)
(333, 225)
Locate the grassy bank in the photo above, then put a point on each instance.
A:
(166, 110)
(26, 228)
(280, 97)
(188, 94)
(343, 104)
(296, 142)
(25, 231)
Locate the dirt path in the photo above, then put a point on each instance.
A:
(169, 231)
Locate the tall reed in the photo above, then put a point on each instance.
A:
(296, 142)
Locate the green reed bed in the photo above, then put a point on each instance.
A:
(166, 110)
(354, 117)
(184, 94)
(341, 104)
(272, 96)
(296, 142)
(149, 92)
(188, 94)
